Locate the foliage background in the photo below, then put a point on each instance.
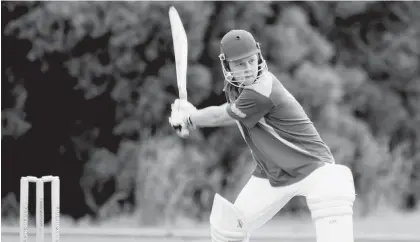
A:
(87, 86)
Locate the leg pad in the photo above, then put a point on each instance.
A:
(227, 222)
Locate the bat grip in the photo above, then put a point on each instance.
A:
(182, 93)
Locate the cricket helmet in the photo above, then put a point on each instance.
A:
(235, 45)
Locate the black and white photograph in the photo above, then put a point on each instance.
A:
(210, 121)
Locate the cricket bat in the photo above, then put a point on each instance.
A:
(180, 43)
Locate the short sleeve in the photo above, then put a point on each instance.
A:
(250, 107)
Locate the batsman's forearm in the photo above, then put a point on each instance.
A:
(213, 116)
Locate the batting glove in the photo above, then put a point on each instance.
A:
(180, 117)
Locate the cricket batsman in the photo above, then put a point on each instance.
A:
(292, 159)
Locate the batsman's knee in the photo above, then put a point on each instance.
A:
(334, 195)
(331, 205)
(227, 222)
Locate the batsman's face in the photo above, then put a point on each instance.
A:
(245, 70)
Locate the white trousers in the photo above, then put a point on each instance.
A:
(259, 201)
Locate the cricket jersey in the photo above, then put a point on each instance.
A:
(283, 141)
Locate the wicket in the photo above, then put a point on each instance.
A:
(55, 207)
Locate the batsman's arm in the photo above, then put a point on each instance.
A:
(213, 116)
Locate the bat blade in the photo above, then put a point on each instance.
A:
(180, 44)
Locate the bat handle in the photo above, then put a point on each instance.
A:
(182, 94)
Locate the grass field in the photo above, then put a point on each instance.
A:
(380, 228)
(159, 235)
